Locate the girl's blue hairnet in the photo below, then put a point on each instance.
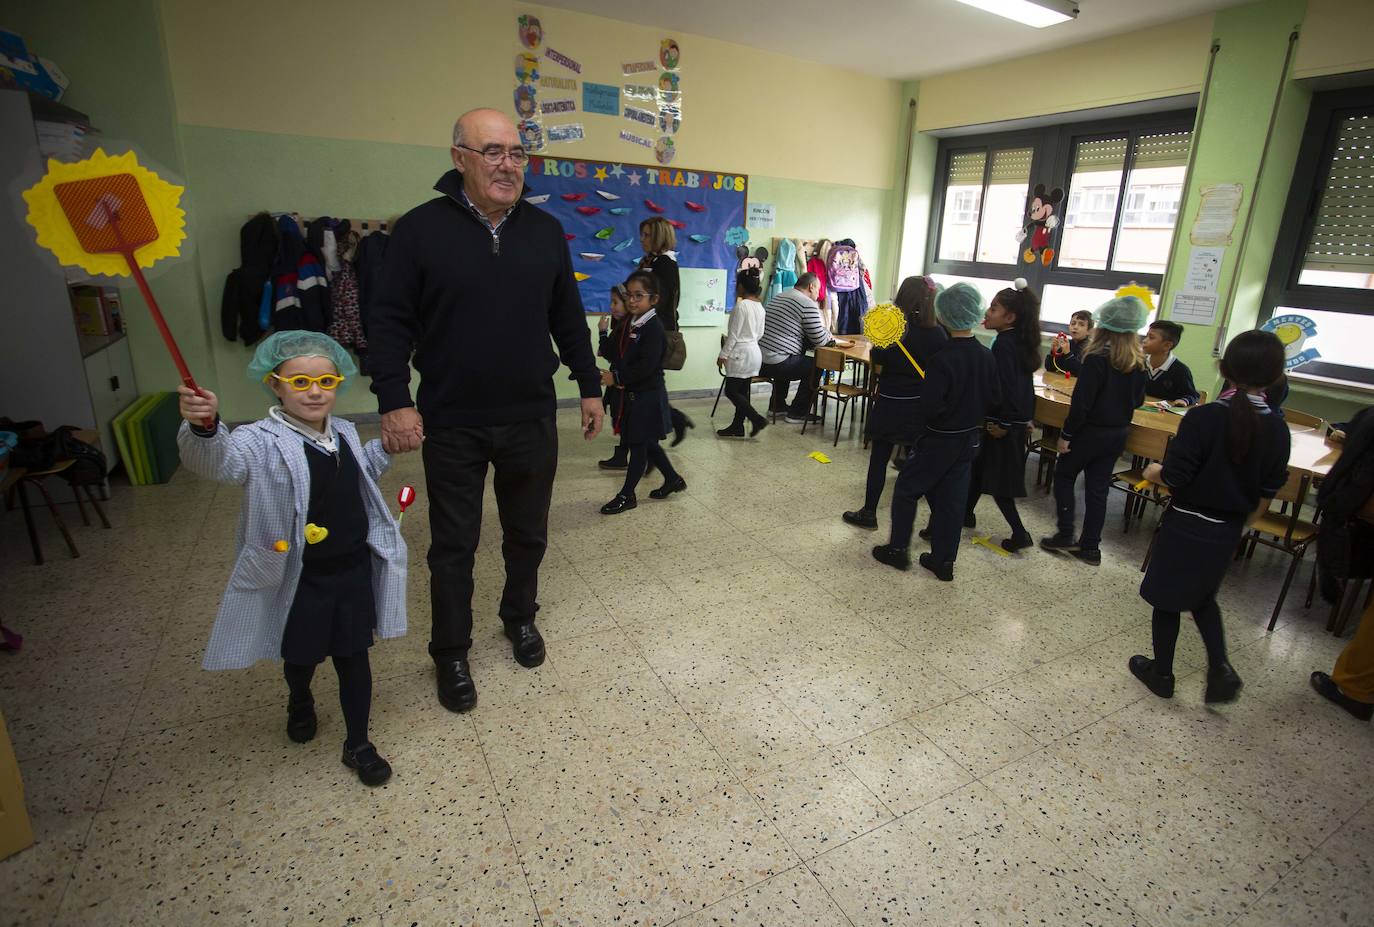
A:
(279, 347)
(1122, 314)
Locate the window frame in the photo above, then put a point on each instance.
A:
(1053, 149)
(1310, 172)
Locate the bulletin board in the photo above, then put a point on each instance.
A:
(601, 203)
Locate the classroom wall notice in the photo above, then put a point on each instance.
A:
(601, 204)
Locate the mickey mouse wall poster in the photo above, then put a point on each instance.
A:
(1042, 221)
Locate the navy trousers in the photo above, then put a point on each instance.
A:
(1092, 452)
(939, 469)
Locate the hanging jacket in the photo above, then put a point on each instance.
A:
(299, 290)
(367, 261)
(816, 266)
(784, 272)
(248, 285)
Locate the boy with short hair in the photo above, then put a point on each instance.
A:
(1170, 381)
(1066, 353)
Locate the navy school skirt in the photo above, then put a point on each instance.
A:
(1190, 559)
(334, 612)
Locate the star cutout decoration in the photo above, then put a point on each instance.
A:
(617, 170)
(635, 177)
(600, 173)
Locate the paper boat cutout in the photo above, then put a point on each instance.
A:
(695, 207)
(590, 255)
(536, 200)
(574, 197)
(589, 210)
(568, 236)
(676, 224)
(653, 206)
(624, 244)
(606, 196)
(579, 276)
(620, 211)
(605, 233)
(699, 238)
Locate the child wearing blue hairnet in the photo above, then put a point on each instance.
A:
(321, 564)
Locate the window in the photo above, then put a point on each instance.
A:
(1323, 264)
(1122, 184)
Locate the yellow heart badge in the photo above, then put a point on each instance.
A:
(314, 534)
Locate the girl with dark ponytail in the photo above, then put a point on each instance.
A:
(1000, 470)
(1229, 459)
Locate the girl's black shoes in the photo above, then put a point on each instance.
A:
(667, 489)
(680, 425)
(732, 431)
(1018, 542)
(757, 425)
(1143, 668)
(300, 721)
(372, 770)
(621, 503)
(1223, 684)
(893, 556)
(861, 518)
(614, 462)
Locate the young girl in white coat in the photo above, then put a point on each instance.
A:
(321, 564)
(740, 357)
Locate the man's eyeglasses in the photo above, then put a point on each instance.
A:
(495, 154)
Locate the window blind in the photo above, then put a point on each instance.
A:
(966, 168)
(1164, 150)
(1012, 165)
(1343, 234)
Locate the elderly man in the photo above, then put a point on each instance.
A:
(791, 325)
(475, 283)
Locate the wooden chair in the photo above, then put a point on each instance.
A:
(1284, 530)
(833, 361)
(16, 486)
(752, 380)
(1295, 417)
(1145, 446)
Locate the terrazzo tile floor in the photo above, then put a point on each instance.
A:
(743, 720)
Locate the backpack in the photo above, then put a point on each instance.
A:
(42, 453)
(844, 269)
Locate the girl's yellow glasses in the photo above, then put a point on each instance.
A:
(300, 382)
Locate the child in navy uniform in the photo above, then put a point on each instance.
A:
(1000, 470)
(960, 386)
(1110, 386)
(1170, 382)
(612, 335)
(321, 563)
(1228, 461)
(1066, 355)
(638, 371)
(895, 417)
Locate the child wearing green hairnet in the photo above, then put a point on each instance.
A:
(321, 564)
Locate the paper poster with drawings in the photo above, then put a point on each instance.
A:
(1216, 214)
(704, 299)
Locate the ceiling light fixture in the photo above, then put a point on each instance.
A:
(1037, 13)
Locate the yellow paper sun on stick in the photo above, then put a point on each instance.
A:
(884, 325)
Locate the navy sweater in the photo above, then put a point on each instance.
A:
(477, 311)
(1198, 468)
(898, 378)
(1068, 363)
(1172, 384)
(1104, 396)
(1018, 391)
(960, 387)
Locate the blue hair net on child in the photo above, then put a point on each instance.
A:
(1122, 314)
(280, 347)
(960, 307)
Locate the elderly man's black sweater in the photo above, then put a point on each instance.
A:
(477, 310)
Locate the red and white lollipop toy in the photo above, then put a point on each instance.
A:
(404, 498)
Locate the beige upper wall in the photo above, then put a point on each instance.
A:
(402, 71)
(1335, 38)
(1161, 61)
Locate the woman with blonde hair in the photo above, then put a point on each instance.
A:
(658, 239)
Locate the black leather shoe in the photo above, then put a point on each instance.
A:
(893, 556)
(733, 431)
(1143, 668)
(757, 425)
(861, 518)
(1089, 555)
(970, 520)
(680, 425)
(526, 643)
(300, 721)
(1223, 684)
(621, 503)
(613, 463)
(943, 569)
(371, 768)
(1326, 687)
(457, 691)
(668, 488)
(1018, 542)
(924, 534)
(1059, 544)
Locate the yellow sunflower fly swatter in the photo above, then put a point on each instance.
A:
(884, 325)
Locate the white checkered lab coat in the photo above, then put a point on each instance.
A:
(268, 460)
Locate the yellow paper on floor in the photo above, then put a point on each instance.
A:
(818, 457)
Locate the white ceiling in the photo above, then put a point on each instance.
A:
(902, 39)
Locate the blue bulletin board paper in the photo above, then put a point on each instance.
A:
(602, 99)
(601, 203)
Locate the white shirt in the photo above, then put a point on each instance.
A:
(741, 349)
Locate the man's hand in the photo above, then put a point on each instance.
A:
(1155, 473)
(1062, 446)
(607, 378)
(198, 408)
(997, 431)
(402, 430)
(592, 414)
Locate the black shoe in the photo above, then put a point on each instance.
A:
(668, 488)
(457, 691)
(924, 533)
(861, 518)
(300, 721)
(1223, 684)
(1326, 687)
(734, 431)
(1091, 556)
(1018, 542)
(1059, 544)
(802, 419)
(970, 520)
(680, 425)
(893, 556)
(943, 570)
(758, 425)
(1143, 668)
(613, 463)
(371, 768)
(526, 643)
(621, 503)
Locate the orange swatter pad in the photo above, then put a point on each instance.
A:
(89, 205)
